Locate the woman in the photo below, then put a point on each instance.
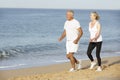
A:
(95, 40)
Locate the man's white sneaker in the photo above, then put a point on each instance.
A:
(72, 70)
(99, 69)
(79, 65)
(92, 65)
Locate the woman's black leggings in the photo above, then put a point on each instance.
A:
(98, 46)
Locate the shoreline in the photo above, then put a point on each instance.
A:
(24, 66)
(60, 68)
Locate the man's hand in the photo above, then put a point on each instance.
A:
(59, 39)
(75, 41)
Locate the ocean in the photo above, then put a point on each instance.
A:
(29, 37)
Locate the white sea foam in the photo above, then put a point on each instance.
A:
(62, 61)
(3, 67)
(117, 52)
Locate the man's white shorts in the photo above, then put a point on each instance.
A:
(71, 47)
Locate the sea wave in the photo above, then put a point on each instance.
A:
(18, 50)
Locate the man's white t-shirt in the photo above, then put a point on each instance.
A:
(71, 29)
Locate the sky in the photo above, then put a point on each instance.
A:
(61, 4)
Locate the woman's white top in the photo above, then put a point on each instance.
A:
(93, 31)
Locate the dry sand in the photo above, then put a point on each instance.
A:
(111, 71)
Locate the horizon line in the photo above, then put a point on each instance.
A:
(57, 8)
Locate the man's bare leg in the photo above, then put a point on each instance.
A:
(76, 61)
(72, 59)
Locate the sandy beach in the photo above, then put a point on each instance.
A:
(111, 71)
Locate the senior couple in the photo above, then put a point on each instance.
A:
(73, 32)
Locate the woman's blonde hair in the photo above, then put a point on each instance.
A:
(96, 15)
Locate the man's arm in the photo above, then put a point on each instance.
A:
(62, 36)
(79, 35)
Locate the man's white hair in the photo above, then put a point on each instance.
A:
(71, 11)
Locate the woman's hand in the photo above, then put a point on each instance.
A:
(90, 40)
(93, 40)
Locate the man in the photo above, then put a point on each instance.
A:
(73, 32)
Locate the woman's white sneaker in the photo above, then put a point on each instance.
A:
(99, 69)
(92, 65)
